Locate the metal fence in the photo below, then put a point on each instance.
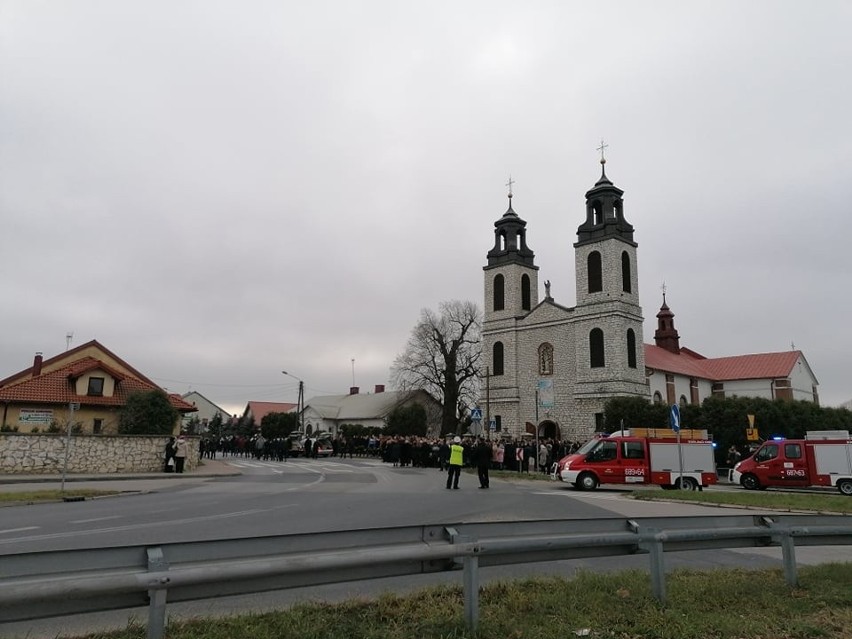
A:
(78, 581)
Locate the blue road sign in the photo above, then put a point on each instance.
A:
(674, 417)
(492, 425)
(476, 414)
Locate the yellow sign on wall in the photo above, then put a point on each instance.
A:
(751, 434)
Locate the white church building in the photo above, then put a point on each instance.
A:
(552, 368)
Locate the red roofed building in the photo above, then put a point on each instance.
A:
(680, 375)
(92, 378)
(258, 410)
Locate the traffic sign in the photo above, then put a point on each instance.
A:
(492, 425)
(674, 417)
(476, 414)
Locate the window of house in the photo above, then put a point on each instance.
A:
(97, 426)
(658, 398)
(599, 422)
(498, 423)
(595, 272)
(499, 293)
(497, 359)
(596, 348)
(682, 401)
(545, 359)
(526, 302)
(96, 386)
(631, 348)
(625, 272)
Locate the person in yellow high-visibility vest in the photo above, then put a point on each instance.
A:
(456, 461)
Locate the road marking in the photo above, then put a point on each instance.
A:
(153, 524)
(88, 521)
(598, 496)
(12, 530)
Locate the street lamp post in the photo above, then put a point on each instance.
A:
(300, 406)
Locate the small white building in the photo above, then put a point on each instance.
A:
(206, 410)
(328, 412)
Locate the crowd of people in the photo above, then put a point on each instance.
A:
(514, 454)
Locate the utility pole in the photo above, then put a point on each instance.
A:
(488, 398)
(300, 403)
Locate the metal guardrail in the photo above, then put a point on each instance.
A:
(78, 581)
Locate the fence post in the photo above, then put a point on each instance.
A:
(788, 553)
(157, 608)
(470, 581)
(651, 540)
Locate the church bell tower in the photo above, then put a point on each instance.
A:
(610, 351)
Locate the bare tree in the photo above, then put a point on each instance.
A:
(442, 357)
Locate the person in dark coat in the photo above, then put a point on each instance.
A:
(482, 459)
(169, 460)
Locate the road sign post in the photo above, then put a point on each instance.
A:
(674, 419)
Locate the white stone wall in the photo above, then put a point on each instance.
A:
(24, 454)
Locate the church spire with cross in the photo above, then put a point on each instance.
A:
(666, 335)
(604, 210)
(510, 237)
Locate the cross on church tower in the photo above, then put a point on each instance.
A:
(509, 184)
(663, 289)
(603, 147)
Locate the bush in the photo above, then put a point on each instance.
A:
(147, 413)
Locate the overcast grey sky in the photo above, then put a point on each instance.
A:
(220, 190)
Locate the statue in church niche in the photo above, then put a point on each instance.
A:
(547, 289)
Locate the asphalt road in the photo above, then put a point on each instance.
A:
(322, 495)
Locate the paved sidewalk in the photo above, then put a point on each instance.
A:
(129, 482)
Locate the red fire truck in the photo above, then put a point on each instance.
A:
(643, 456)
(823, 458)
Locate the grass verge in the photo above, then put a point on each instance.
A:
(774, 501)
(724, 604)
(37, 496)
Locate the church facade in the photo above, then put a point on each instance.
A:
(552, 368)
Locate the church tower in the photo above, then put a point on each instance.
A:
(511, 291)
(609, 345)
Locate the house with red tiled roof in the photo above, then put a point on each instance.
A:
(679, 375)
(90, 377)
(258, 410)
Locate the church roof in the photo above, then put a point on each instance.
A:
(753, 366)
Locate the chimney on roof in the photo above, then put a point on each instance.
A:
(353, 390)
(380, 388)
(37, 364)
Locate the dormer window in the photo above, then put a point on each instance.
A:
(96, 387)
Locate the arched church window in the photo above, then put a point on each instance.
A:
(497, 358)
(682, 401)
(499, 293)
(631, 348)
(625, 272)
(525, 292)
(596, 348)
(597, 213)
(595, 272)
(545, 359)
(658, 398)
